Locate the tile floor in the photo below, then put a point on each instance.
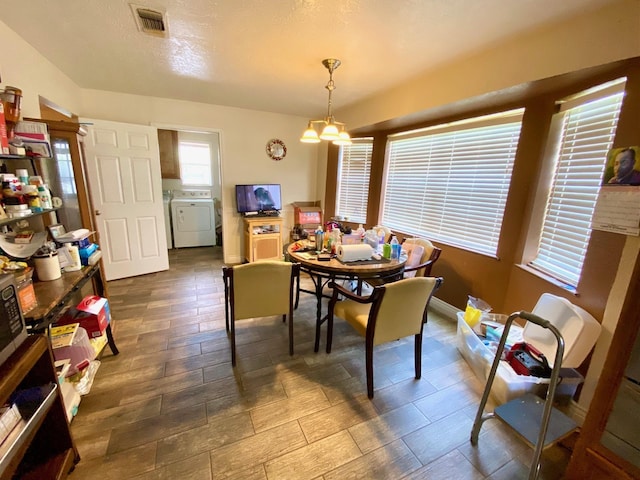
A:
(171, 407)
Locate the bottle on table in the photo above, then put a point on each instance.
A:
(335, 239)
(319, 237)
(395, 248)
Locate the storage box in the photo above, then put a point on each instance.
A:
(507, 384)
(92, 313)
(307, 214)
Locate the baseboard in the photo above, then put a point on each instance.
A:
(577, 412)
(443, 308)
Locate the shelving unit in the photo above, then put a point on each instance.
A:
(41, 446)
(7, 221)
(262, 238)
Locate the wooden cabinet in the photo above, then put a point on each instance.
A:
(263, 238)
(41, 445)
(169, 160)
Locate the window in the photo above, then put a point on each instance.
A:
(450, 183)
(354, 170)
(586, 127)
(195, 163)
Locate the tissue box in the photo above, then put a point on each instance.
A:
(92, 313)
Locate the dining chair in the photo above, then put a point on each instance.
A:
(420, 265)
(421, 255)
(259, 289)
(386, 230)
(392, 311)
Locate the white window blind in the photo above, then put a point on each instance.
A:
(450, 183)
(354, 170)
(586, 136)
(195, 163)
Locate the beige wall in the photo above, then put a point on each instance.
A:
(592, 39)
(23, 67)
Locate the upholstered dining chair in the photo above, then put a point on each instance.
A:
(259, 289)
(386, 230)
(421, 255)
(420, 261)
(392, 311)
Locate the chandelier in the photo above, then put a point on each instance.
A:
(330, 129)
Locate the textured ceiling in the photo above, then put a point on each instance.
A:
(266, 54)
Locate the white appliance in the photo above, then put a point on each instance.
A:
(166, 204)
(192, 216)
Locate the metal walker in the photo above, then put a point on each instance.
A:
(535, 420)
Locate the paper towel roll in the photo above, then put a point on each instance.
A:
(353, 253)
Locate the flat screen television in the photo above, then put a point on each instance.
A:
(258, 198)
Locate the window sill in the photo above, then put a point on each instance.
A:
(554, 281)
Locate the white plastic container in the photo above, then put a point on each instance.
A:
(47, 266)
(507, 384)
(578, 328)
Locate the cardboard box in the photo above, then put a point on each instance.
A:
(307, 214)
(92, 313)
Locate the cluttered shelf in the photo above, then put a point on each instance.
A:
(6, 221)
(53, 297)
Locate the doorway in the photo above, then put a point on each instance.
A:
(183, 168)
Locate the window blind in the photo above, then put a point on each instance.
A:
(450, 184)
(354, 170)
(586, 136)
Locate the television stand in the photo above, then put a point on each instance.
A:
(262, 238)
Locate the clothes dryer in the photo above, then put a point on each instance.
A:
(192, 216)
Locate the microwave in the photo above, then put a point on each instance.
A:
(12, 327)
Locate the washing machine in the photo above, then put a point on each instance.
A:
(166, 204)
(192, 217)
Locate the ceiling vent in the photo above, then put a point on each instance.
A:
(150, 20)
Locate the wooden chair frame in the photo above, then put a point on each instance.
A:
(375, 299)
(229, 306)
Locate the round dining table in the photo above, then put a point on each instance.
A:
(323, 272)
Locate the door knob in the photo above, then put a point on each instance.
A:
(98, 212)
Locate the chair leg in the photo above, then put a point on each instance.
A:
(369, 364)
(418, 355)
(233, 342)
(284, 318)
(226, 305)
(291, 332)
(329, 328)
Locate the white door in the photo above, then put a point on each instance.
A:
(123, 166)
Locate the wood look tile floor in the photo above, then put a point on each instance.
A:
(170, 406)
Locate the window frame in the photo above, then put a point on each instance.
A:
(363, 152)
(185, 164)
(443, 161)
(544, 269)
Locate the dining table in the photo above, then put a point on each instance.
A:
(325, 270)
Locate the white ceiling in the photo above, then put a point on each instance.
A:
(266, 54)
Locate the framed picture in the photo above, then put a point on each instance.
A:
(623, 166)
(56, 230)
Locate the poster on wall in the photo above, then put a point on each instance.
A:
(618, 207)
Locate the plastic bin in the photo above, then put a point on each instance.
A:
(508, 384)
(577, 327)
